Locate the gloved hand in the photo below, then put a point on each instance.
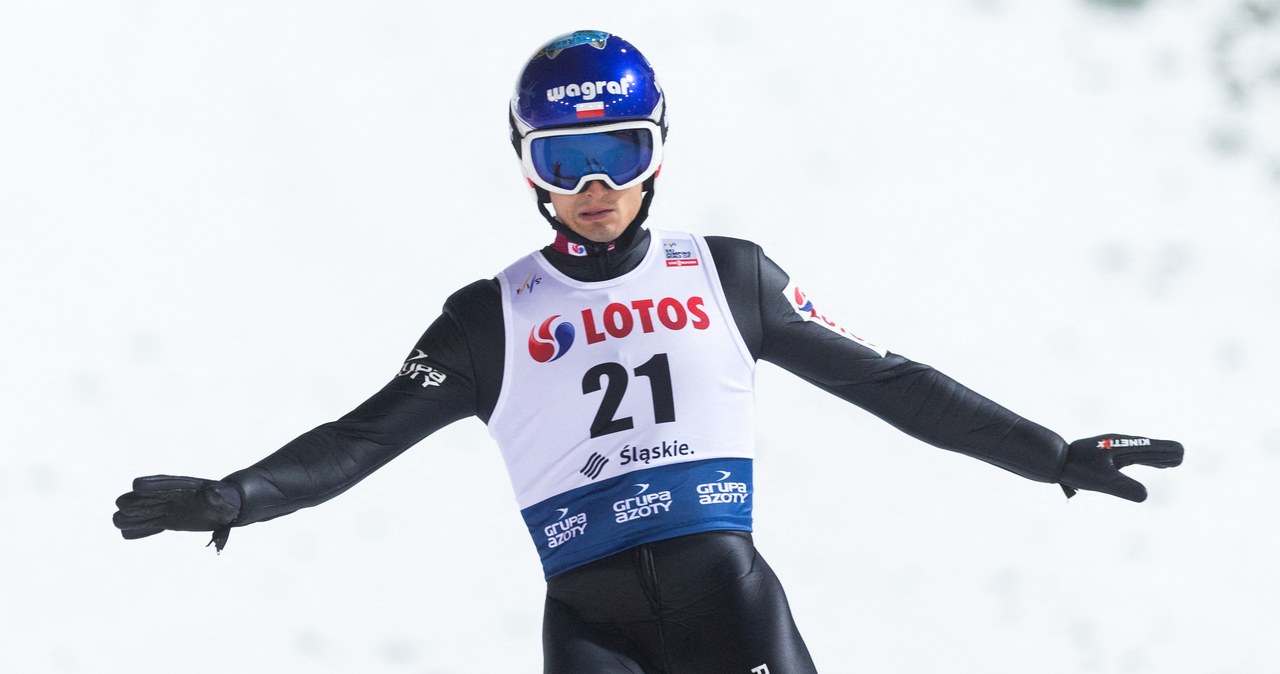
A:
(1095, 463)
(160, 502)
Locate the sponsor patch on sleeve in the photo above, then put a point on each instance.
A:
(415, 366)
(804, 307)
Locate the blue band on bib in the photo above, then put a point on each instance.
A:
(597, 520)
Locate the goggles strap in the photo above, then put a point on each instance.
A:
(544, 208)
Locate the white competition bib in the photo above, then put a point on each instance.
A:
(626, 409)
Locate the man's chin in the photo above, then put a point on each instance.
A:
(600, 232)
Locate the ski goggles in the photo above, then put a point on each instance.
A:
(621, 155)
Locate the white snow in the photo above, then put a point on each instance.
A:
(222, 224)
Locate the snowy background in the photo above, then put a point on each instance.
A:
(222, 223)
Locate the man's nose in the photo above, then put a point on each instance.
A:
(595, 188)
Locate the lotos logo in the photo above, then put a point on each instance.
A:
(804, 308)
(619, 320)
(546, 346)
(802, 303)
(1116, 443)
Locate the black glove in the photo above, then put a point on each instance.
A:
(160, 502)
(1095, 463)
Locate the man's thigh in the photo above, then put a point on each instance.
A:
(573, 646)
(735, 620)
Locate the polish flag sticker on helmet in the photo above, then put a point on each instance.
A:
(803, 306)
(592, 109)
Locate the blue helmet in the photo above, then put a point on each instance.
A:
(587, 107)
(586, 77)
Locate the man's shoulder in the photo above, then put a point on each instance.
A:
(716, 240)
(475, 301)
(478, 289)
(732, 253)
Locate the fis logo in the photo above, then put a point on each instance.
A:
(641, 505)
(546, 345)
(1116, 443)
(679, 254)
(565, 529)
(722, 490)
(529, 282)
(804, 308)
(411, 369)
(594, 466)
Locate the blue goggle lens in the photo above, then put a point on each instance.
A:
(563, 160)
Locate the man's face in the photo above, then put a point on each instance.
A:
(597, 212)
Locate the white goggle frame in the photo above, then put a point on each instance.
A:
(655, 162)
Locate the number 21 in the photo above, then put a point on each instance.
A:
(658, 372)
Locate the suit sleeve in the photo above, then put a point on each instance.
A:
(913, 397)
(438, 384)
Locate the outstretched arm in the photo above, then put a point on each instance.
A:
(316, 466)
(781, 325)
(437, 385)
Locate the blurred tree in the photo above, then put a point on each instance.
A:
(1246, 52)
(1246, 63)
(1119, 4)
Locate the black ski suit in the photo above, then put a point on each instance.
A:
(699, 603)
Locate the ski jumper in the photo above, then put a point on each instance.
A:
(618, 387)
